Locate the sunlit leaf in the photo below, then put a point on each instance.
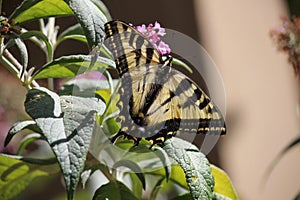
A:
(36, 9)
(16, 176)
(137, 186)
(223, 185)
(70, 66)
(177, 175)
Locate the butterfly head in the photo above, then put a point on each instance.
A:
(166, 59)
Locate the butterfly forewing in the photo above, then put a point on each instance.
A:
(156, 100)
(129, 47)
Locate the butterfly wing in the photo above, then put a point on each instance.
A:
(130, 48)
(156, 100)
(198, 113)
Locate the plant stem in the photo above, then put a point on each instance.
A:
(11, 63)
(9, 66)
(52, 36)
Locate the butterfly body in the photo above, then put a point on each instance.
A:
(156, 100)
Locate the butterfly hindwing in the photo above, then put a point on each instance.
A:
(197, 111)
(156, 100)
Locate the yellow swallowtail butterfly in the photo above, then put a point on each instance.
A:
(156, 101)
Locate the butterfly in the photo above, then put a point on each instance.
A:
(156, 100)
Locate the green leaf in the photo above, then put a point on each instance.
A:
(76, 29)
(69, 133)
(151, 159)
(38, 36)
(80, 38)
(91, 19)
(141, 154)
(35, 161)
(74, 32)
(162, 155)
(36, 9)
(70, 66)
(95, 86)
(195, 166)
(177, 175)
(156, 188)
(42, 103)
(85, 175)
(19, 126)
(39, 161)
(23, 51)
(88, 14)
(103, 8)
(114, 190)
(27, 140)
(223, 185)
(102, 167)
(16, 176)
(134, 167)
(137, 186)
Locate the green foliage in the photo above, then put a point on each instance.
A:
(82, 113)
(36, 9)
(114, 190)
(70, 66)
(223, 186)
(66, 123)
(16, 175)
(195, 166)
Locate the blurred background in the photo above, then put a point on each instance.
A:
(262, 90)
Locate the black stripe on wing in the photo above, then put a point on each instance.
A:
(128, 46)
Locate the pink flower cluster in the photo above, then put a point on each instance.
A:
(153, 33)
(287, 38)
